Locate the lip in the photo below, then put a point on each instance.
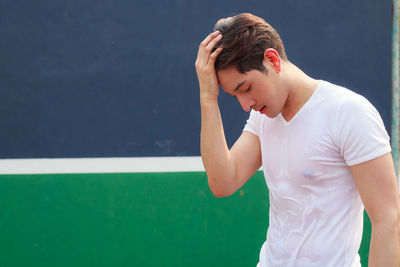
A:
(262, 110)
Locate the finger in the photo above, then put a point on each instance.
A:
(209, 38)
(204, 51)
(213, 42)
(214, 55)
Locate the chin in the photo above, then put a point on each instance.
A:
(272, 117)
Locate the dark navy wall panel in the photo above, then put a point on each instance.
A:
(116, 78)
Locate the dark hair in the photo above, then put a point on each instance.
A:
(245, 39)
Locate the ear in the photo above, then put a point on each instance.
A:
(271, 56)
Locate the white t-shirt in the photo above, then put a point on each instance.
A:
(316, 214)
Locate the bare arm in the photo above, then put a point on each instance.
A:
(227, 170)
(377, 185)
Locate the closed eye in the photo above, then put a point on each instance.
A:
(248, 89)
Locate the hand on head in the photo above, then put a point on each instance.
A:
(205, 66)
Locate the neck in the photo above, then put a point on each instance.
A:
(300, 88)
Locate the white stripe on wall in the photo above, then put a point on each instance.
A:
(101, 165)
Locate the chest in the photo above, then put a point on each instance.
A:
(301, 154)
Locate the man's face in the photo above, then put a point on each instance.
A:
(255, 89)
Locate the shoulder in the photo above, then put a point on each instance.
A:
(253, 123)
(339, 95)
(357, 127)
(342, 103)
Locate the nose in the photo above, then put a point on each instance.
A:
(246, 102)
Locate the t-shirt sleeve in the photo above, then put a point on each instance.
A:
(252, 124)
(359, 131)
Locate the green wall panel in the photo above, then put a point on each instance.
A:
(138, 219)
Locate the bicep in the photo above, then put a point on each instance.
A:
(246, 154)
(376, 182)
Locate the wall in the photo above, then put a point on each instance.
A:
(117, 79)
(142, 219)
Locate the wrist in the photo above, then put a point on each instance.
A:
(206, 99)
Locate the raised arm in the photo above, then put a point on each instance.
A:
(227, 170)
(378, 188)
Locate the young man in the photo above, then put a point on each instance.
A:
(324, 151)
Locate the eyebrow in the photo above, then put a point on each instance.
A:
(238, 86)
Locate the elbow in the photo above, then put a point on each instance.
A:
(397, 224)
(218, 189)
(390, 222)
(219, 193)
(389, 219)
(397, 219)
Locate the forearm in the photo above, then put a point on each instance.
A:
(219, 166)
(214, 150)
(385, 245)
